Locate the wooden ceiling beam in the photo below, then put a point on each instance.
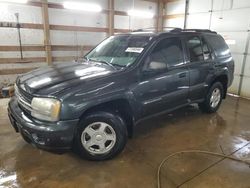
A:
(18, 60)
(71, 48)
(24, 48)
(172, 16)
(160, 14)
(46, 31)
(42, 48)
(111, 16)
(15, 71)
(78, 28)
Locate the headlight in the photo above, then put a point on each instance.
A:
(45, 108)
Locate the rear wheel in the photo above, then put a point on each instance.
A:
(213, 99)
(101, 136)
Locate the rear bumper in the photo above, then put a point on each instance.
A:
(45, 135)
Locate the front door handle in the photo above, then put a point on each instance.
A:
(182, 75)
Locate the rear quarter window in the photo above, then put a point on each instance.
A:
(218, 44)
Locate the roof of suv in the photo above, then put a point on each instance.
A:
(170, 30)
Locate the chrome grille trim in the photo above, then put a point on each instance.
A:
(21, 101)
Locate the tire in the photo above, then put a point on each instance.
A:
(211, 103)
(101, 136)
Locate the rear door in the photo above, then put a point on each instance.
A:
(164, 78)
(200, 63)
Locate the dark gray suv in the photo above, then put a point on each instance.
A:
(94, 104)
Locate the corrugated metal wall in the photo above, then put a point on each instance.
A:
(58, 16)
(9, 36)
(230, 18)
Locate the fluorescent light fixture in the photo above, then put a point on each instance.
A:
(140, 13)
(90, 7)
(14, 1)
(3, 7)
(230, 41)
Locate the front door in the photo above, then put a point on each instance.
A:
(164, 78)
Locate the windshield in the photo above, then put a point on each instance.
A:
(119, 50)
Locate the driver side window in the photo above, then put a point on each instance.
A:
(167, 53)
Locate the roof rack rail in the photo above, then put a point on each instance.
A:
(197, 30)
(174, 29)
(143, 30)
(155, 29)
(200, 30)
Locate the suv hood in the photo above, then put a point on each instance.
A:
(60, 76)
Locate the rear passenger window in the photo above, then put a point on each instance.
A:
(195, 49)
(206, 50)
(218, 44)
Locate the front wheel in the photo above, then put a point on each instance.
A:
(101, 136)
(213, 99)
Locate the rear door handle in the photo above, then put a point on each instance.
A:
(182, 75)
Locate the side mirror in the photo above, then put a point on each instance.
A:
(157, 66)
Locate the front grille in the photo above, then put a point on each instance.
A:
(28, 97)
(23, 101)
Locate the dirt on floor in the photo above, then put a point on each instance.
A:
(228, 131)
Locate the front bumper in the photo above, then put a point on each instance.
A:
(46, 135)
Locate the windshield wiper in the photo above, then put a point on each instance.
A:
(104, 62)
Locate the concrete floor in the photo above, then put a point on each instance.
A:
(22, 165)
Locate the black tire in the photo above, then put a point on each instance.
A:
(112, 119)
(206, 106)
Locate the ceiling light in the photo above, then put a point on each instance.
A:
(14, 1)
(90, 7)
(230, 41)
(141, 14)
(3, 7)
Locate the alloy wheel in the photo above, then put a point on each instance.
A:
(215, 98)
(98, 138)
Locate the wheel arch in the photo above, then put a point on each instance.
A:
(120, 106)
(223, 79)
